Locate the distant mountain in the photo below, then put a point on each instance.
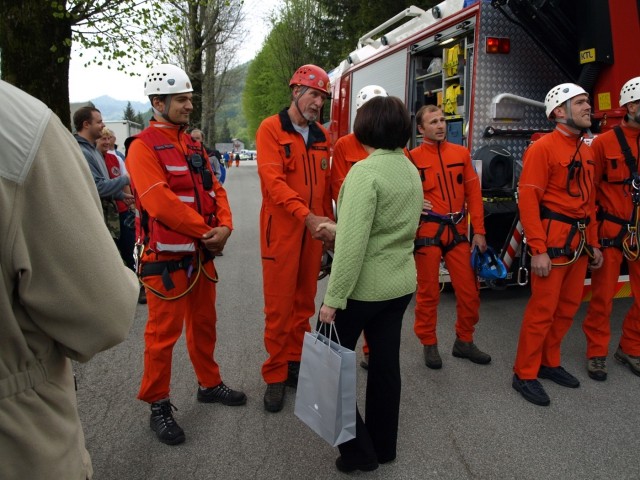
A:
(113, 109)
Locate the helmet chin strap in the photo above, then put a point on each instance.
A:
(303, 90)
(569, 121)
(165, 113)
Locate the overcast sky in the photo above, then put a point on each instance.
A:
(86, 83)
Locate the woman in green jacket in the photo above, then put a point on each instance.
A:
(373, 275)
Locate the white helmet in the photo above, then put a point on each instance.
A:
(368, 92)
(630, 91)
(560, 94)
(167, 79)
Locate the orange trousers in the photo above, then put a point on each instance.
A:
(290, 267)
(596, 325)
(465, 284)
(547, 318)
(196, 310)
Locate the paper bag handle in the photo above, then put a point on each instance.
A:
(323, 331)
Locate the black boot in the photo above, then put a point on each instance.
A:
(274, 397)
(162, 422)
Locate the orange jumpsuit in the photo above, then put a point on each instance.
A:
(544, 183)
(614, 200)
(294, 180)
(451, 184)
(176, 225)
(347, 151)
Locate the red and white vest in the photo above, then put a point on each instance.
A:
(188, 187)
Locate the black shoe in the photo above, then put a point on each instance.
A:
(364, 363)
(471, 351)
(348, 467)
(162, 422)
(222, 394)
(293, 370)
(432, 357)
(558, 375)
(274, 397)
(531, 390)
(142, 296)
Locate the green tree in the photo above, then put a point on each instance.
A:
(290, 44)
(266, 89)
(322, 32)
(139, 119)
(36, 37)
(129, 113)
(344, 22)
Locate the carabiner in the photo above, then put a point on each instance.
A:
(522, 272)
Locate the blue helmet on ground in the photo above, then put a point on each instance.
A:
(487, 265)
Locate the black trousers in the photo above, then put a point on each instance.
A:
(376, 438)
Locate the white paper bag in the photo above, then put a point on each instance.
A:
(326, 393)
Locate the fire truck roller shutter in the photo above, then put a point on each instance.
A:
(388, 72)
(497, 167)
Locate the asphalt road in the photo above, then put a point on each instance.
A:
(462, 422)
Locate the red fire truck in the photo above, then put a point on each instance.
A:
(489, 65)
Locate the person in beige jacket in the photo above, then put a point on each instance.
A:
(64, 292)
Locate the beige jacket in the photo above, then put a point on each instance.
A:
(64, 292)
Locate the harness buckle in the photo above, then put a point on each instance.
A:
(456, 217)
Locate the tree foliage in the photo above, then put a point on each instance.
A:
(346, 21)
(117, 30)
(266, 90)
(130, 114)
(322, 32)
(290, 44)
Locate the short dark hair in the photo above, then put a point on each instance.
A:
(426, 109)
(383, 122)
(83, 114)
(162, 98)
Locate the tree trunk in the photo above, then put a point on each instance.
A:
(28, 34)
(195, 59)
(208, 98)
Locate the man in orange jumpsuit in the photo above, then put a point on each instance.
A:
(347, 151)
(556, 210)
(451, 190)
(293, 165)
(618, 196)
(184, 221)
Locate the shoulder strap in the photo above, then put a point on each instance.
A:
(626, 150)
